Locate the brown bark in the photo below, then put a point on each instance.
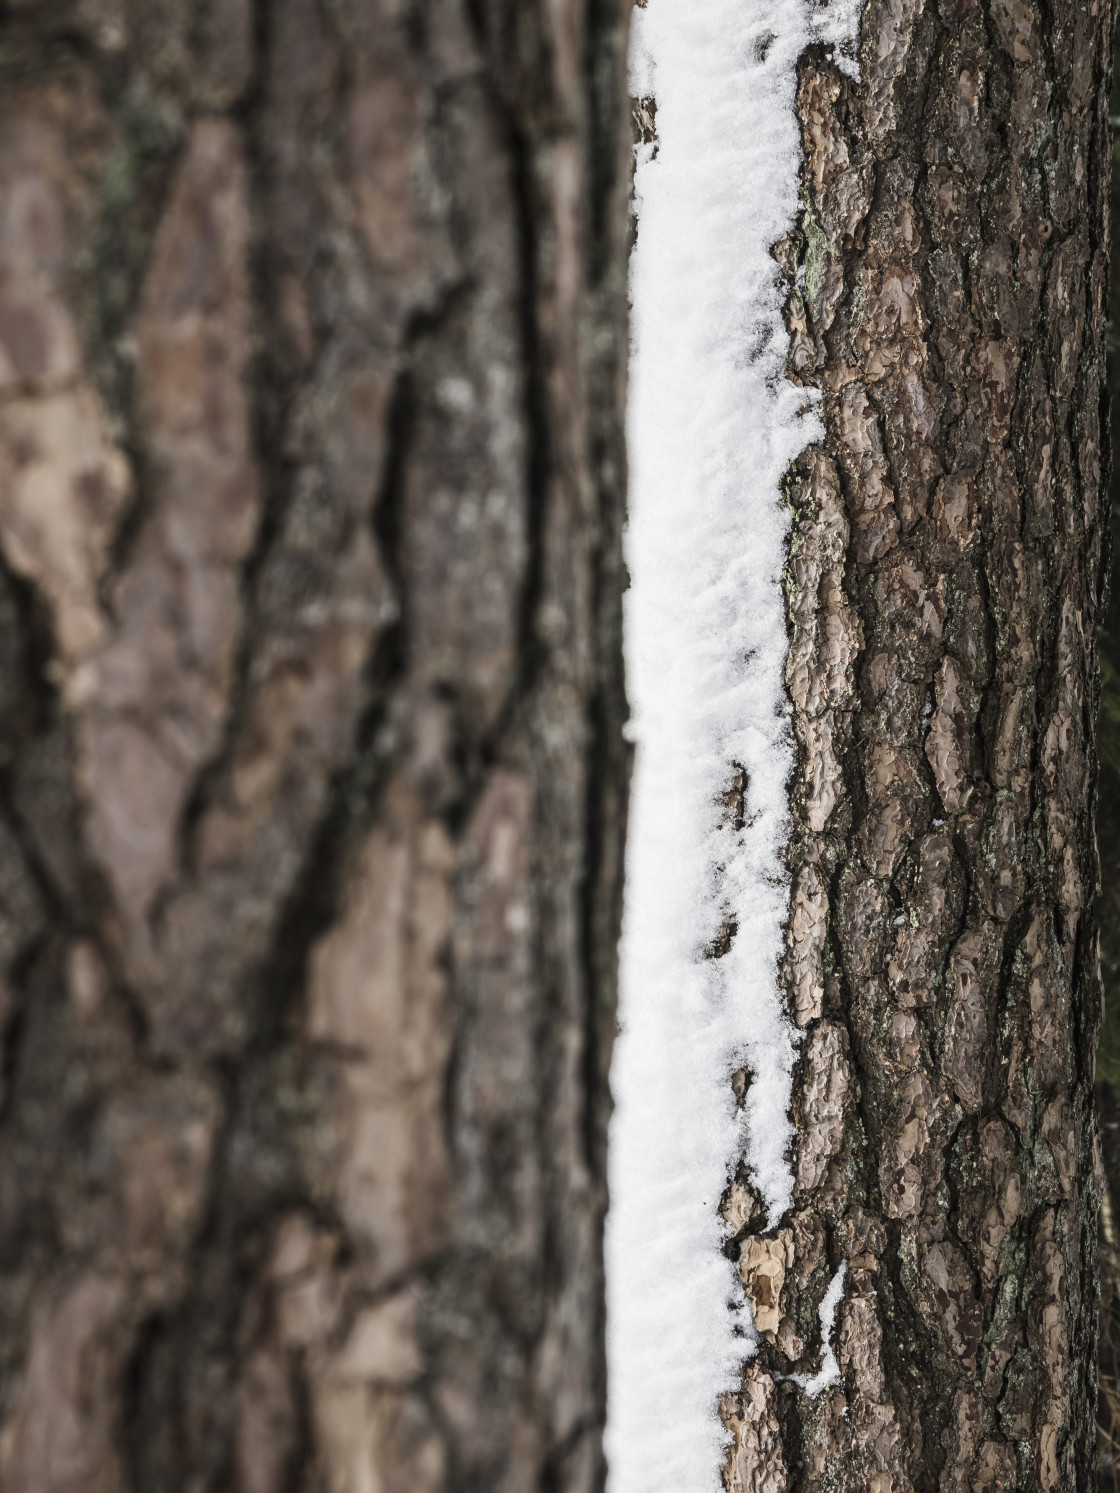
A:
(312, 784)
(944, 580)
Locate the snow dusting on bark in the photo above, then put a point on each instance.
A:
(713, 425)
(829, 1371)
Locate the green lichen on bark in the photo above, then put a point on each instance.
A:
(817, 250)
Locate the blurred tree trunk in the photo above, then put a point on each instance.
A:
(312, 784)
(950, 274)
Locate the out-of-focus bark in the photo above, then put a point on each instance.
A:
(312, 783)
(949, 275)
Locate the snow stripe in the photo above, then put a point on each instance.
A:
(713, 426)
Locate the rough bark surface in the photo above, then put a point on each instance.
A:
(312, 783)
(948, 282)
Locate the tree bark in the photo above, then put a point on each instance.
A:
(312, 782)
(949, 277)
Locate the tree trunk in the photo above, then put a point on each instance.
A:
(312, 783)
(950, 275)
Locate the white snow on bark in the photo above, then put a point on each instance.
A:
(829, 1371)
(713, 425)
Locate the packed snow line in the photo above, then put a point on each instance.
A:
(829, 1371)
(713, 426)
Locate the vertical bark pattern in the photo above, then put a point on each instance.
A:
(312, 784)
(948, 278)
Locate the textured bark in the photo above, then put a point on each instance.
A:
(949, 275)
(312, 783)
